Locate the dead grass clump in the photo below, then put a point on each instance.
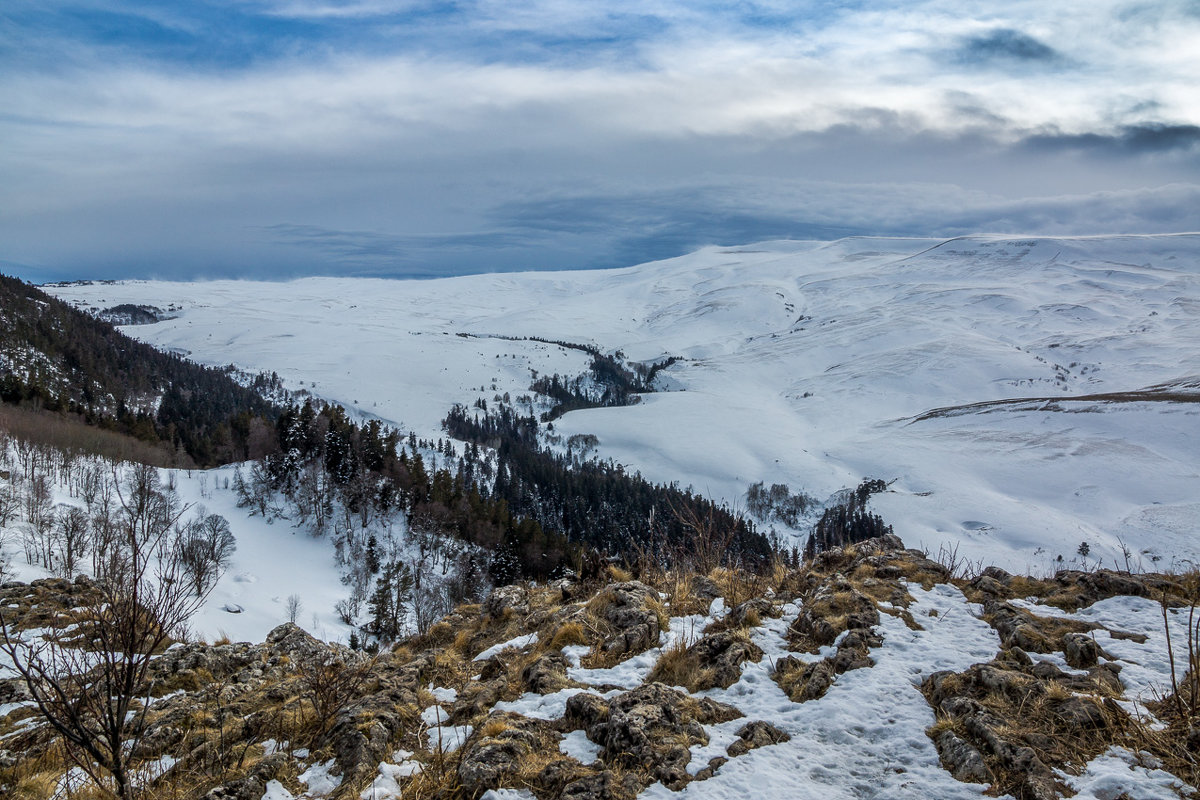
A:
(683, 597)
(739, 585)
(680, 666)
(618, 575)
(35, 787)
(568, 633)
(494, 727)
(439, 634)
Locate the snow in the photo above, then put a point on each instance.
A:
(576, 745)
(542, 706)
(866, 736)
(808, 363)
(319, 780)
(273, 560)
(516, 643)
(277, 791)
(1122, 773)
(386, 785)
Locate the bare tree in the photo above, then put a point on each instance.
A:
(293, 608)
(10, 504)
(206, 545)
(72, 535)
(90, 695)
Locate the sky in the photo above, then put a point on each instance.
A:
(282, 138)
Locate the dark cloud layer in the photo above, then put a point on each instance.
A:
(276, 138)
(1130, 139)
(1006, 46)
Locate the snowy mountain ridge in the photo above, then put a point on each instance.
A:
(936, 365)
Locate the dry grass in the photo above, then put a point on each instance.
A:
(681, 594)
(493, 728)
(680, 666)
(1034, 715)
(618, 575)
(568, 633)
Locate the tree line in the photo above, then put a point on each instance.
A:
(57, 358)
(592, 502)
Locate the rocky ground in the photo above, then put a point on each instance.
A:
(869, 672)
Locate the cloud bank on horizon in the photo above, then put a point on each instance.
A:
(275, 138)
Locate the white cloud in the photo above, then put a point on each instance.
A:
(441, 135)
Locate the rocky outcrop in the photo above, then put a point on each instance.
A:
(648, 730)
(633, 625)
(1009, 721)
(496, 753)
(756, 734)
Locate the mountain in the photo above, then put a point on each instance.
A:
(56, 358)
(1019, 397)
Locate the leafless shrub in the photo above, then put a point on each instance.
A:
(95, 695)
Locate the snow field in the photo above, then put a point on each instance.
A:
(806, 363)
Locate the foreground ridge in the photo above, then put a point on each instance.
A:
(869, 671)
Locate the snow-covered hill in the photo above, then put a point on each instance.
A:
(807, 363)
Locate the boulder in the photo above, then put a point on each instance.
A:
(1081, 650)
(723, 654)
(498, 748)
(547, 674)
(963, 761)
(634, 626)
(756, 734)
(507, 600)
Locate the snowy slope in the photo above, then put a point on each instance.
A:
(808, 363)
(272, 561)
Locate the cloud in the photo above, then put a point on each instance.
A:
(1005, 45)
(403, 137)
(1132, 139)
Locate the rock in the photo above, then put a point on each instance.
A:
(723, 654)
(834, 600)
(602, 786)
(559, 773)
(13, 690)
(584, 711)
(546, 674)
(487, 760)
(1079, 713)
(714, 764)
(254, 785)
(963, 761)
(989, 586)
(635, 626)
(507, 600)
(293, 641)
(815, 681)
(1081, 650)
(996, 574)
(756, 734)
(567, 587)
(705, 588)
(645, 728)
(1016, 657)
(743, 613)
